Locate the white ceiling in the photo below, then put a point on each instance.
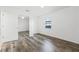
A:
(33, 10)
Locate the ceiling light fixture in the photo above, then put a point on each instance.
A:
(22, 17)
(27, 10)
(42, 6)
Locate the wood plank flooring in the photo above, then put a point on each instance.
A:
(38, 43)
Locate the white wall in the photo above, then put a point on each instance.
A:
(8, 27)
(65, 24)
(23, 24)
(32, 25)
(0, 24)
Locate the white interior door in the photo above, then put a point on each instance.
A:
(8, 27)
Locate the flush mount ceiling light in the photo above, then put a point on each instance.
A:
(42, 6)
(27, 10)
(22, 17)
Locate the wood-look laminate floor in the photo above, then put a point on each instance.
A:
(38, 43)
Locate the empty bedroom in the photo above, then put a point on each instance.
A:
(39, 29)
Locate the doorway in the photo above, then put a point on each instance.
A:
(23, 27)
